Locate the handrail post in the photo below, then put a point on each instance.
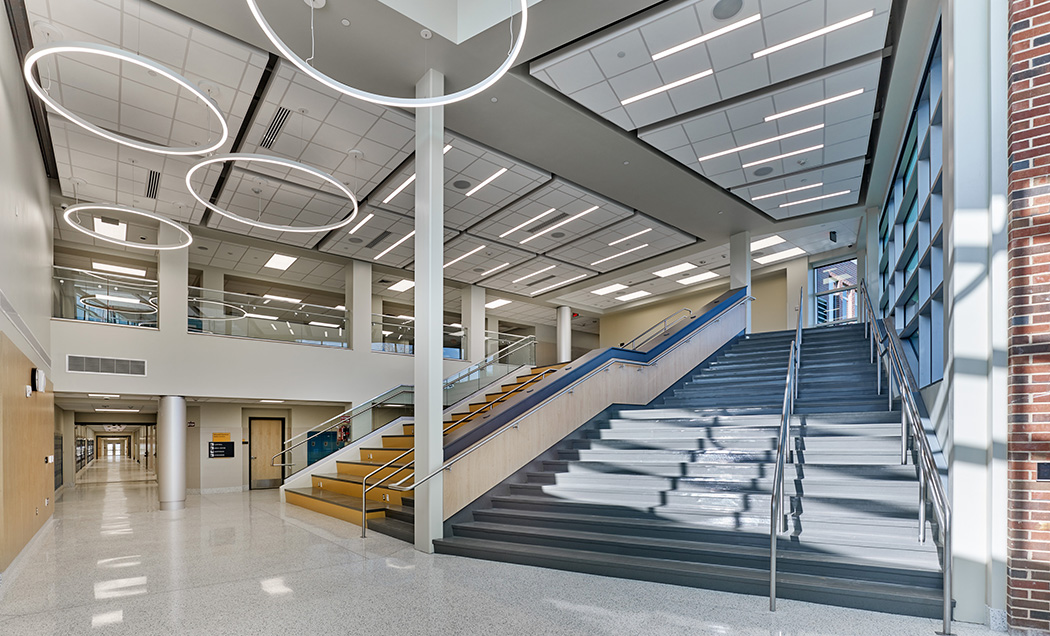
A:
(946, 582)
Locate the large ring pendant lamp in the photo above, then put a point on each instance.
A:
(92, 48)
(223, 305)
(386, 100)
(75, 209)
(276, 161)
(133, 306)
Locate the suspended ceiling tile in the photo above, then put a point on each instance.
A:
(594, 250)
(535, 276)
(495, 257)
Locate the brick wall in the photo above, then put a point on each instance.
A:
(1028, 561)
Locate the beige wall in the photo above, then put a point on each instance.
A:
(620, 327)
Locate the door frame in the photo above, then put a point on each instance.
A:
(284, 438)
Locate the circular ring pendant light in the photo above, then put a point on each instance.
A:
(81, 207)
(223, 305)
(276, 161)
(386, 100)
(116, 305)
(92, 48)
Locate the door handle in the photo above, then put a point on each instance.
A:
(254, 457)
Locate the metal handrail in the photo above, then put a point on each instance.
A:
(364, 482)
(777, 517)
(886, 343)
(513, 424)
(661, 327)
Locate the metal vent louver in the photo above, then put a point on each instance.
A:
(279, 120)
(109, 366)
(539, 229)
(379, 239)
(152, 184)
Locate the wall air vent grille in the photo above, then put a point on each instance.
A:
(152, 184)
(109, 366)
(279, 120)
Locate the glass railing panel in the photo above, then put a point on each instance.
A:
(223, 313)
(397, 334)
(114, 299)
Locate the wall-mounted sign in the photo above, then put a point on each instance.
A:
(220, 437)
(220, 449)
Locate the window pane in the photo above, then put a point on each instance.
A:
(836, 276)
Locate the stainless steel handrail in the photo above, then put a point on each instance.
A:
(886, 343)
(491, 359)
(661, 327)
(777, 515)
(513, 424)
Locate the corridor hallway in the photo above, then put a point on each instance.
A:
(111, 563)
(108, 469)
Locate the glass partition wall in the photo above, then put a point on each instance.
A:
(80, 294)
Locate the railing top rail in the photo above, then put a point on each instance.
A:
(490, 359)
(258, 301)
(660, 326)
(97, 275)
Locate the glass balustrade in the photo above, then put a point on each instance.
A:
(228, 314)
(79, 294)
(397, 334)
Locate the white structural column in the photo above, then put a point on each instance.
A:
(429, 290)
(171, 452)
(564, 334)
(973, 395)
(472, 316)
(358, 304)
(740, 266)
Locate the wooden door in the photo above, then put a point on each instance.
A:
(265, 439)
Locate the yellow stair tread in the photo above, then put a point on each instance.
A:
(337, 499)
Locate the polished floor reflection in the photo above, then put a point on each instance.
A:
(112, 563)
(114, 468)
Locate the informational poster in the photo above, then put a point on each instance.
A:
(220, 446)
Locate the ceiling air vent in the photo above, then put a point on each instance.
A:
(379, 239)
(539, 229)
(538, 281)
(152, 184)
(279, 119)
(109, 366)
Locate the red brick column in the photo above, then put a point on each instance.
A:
(1028, 560)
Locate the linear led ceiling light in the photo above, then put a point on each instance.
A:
(537, 273)
(75, 210)
(399, 242)
(283, 163)
(615, 287)
(271, 401)
(118, 304)
(699, 278)
(564, 282)
(280, 261)
(118, 269)
(496, 304)
(527, 223)
(461, 257)
(627, 238)
(677, 269)
(559, 224)
(402, 286)
(823, 102)
(634, 295)
(825, 196)
(484, 183)
(667, 87)
(152, 67)
(260, 316)
(763, 142)
(362, 223)
(769, 241)
(119, 299)
(815, 34)
(777, 194)
(105, 396)
(783, 156)
(409, 181)
(327, 325)
(495, 269)
(780, 256)
(385, 100)
(707, 36)
(284, 299)
(108, 410)
(623, 253)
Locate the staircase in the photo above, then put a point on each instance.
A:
(679, 491)
(389, 511)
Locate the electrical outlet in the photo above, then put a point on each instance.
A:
(47, 501)
(38, 510)
(386, 497)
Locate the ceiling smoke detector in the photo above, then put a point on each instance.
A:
(726, 9)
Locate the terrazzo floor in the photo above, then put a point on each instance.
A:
(114, 468)
(111, 563)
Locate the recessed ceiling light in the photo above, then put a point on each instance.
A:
(470, 253)
(400, 189)
(623, 253)
(615, 287)
(826, 196)
(495, 269)
(667, 87)
(119, 299)
(780, 256)
(526, 223)
(707, 36)
(634, 295)
(777, 194)
(272, 401)
(528, 276)
(823, 102)
(117, 230)
(283, 298)
(769, 241)
(280, 261)
(564, 282)
(107, 410)
(405, 317)
(324, 324)
(399, 242)
(763, 142)
(103, 395)
(783, 156)
(814, 34)
(496, 304)
(699, 278)
(118, 269)
(486, 182)
(362, 223)
(403, 285)
(627, 238)
(560, 223)
(260, 316)
(677, 269)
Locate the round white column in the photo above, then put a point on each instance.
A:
(171, 452)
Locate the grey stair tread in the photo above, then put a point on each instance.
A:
(395, 528)
(338, 499)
